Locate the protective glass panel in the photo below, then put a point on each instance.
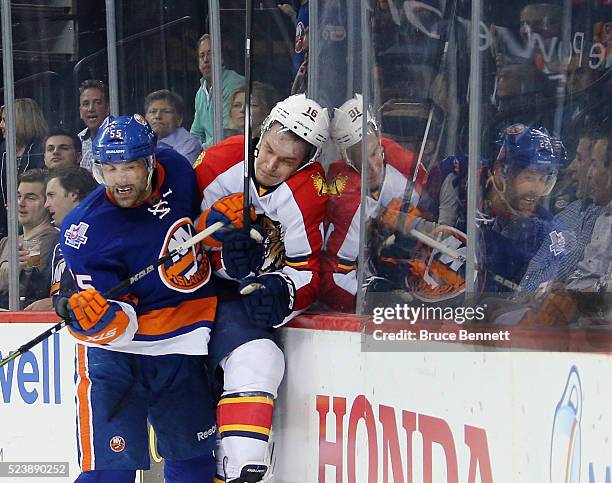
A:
(46, 48)
(157, 53)
(544, 218)
(541, 99)
(419, 113)
(272, 31)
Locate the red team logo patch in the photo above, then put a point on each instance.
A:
(117, 444)
(189, 270)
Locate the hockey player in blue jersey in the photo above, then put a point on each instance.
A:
(139, 357)
(513, 221)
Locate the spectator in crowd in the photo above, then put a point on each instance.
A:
(62, 149)
(300, 81)
(572, 186)
(263, 98)
(526, 70)
(300, 19)
(35, 245)
(164, 111)
(574, 227)
(30, 130)
(202, 126)
(66, 187)
(93, 109)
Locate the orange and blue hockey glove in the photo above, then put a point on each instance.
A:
(391, 216)
(229, 211)
(92, 318)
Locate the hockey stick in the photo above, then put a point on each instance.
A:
(248, 161)
(118, 288)
(436, 245)
(432, 242)
(449, 15)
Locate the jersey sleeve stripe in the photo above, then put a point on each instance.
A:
(174, 333)
(170, 319)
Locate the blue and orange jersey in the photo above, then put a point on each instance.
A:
(104, 244)
(292, 214)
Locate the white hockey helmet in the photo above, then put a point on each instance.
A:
(347, 124)
(305, 118)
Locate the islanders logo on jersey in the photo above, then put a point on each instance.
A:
(189, 270)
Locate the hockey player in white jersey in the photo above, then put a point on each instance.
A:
(389, 167)
(288, 206)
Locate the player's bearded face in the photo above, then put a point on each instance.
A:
(525, 190)
(127, 182)
(280, 155)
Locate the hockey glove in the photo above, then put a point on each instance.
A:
(92, 318)
(271, 302)
(241, 255)
(229, 211)
(557, 309)
(391, 216)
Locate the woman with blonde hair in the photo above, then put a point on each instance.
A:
(30, 131)
(263, 98)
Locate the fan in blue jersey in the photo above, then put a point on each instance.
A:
(139, 356)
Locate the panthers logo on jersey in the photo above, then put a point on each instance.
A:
(188, 270)
(274, 255)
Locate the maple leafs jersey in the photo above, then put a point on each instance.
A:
(292, 214)
(172, 308)
(339, 261)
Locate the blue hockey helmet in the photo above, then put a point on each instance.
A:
(523, 147)
(122, 139)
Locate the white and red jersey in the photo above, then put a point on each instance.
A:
(292, 214)
(339, 261)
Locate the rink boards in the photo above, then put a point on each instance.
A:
(438, 412)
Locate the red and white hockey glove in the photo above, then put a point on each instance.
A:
(92, 318)
(229, 211)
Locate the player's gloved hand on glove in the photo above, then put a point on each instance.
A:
(271, 302)
(391, 216)
(92, 318)
(229, 211)
(240, 254)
